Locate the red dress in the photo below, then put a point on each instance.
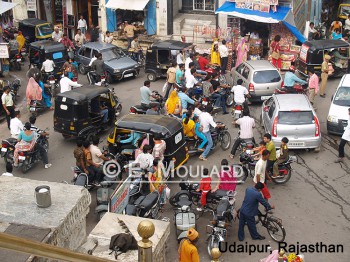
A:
(205, 187)
(275, 47)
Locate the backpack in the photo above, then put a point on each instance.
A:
(122, 243)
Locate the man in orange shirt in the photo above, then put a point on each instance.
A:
(205, 187)
(187, 250)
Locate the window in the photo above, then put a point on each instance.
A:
(342, 97)
(113, 53)
(266, 76)
(87, 52)
(295, 117)
(57, 55)
(245, 73)
(240, 68)
(272, 110)
(44, 30)
(204, 5)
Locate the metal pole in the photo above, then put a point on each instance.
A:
(146, 230)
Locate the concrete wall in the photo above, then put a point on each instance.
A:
(176, 7)
(162, 14)
(20, 11)
(222, 18)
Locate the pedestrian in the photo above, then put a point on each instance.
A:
(79, 38)
(180, 58)
(250, 209)
(260, 172)
(187, 249)
(344, 139)
(82, 25)
(242, 51)
(223, 50)
(284, 155)
(9, 169)
(324, 75)
(206, 120)
(272, 149)
(205, 188)
(214, 53)
(94, 34)
(101, 36)
(7, 104)
(129, 31)
(108, 38)
(159, 147)
(246, 124)
(313, 85)
(275, 50)
(171, 79)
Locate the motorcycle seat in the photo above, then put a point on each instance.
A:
(222, 207)
(10, 140)
(130, 210)
(220, 193)
(149, 201)
(184, 202)
(139, 200)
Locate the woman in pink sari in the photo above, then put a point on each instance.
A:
(227, 180)
(242, 50)
(34, 91)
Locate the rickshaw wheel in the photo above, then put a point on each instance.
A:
(151, 77)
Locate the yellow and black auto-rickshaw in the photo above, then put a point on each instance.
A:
(35, 29)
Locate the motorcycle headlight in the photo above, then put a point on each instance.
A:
(116, 70)
(333, 119)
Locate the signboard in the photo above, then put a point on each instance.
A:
(31, 5)
(303, 52)
(4, 51)
(120, 197)
(257, 5)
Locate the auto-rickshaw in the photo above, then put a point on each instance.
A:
(312, 56)
(56, 51)
(159, 57)
(35, 29)
(344, 10)
(78, 112)
(167, 128)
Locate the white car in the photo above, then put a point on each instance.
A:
(338, 114)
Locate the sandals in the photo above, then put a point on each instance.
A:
(202, 158)
(232, 156)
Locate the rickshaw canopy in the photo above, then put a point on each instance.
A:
(48, 45)
(170, 45)
(315, 45)
(82, 94)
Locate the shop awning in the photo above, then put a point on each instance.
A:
(5, 6)
(283, 14)
(137, 5)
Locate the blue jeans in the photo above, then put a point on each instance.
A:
(210, 144)
(203, 138)
(250, 220)
(104, 112)
(217, 98)
(82, 29)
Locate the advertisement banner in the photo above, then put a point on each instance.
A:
(256, 5)
(4, 51)
(120, 198)
(31, 5)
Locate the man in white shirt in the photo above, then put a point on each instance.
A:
(97, 157)
(16, 125)
(188, 61)
(206, 120)
(191, 81)
(108, 37)
(96, 54)
(196, 110)
(180, 58)
(145, 159)
(246, 124)
(82, 25)
(313, 33)
(9, 169)
(240, 93)
(223, 50)
(79, 38)
(57, 34)
(48, 65)
(260, 172)
(67, 84)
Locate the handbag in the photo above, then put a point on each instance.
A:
(275, 55)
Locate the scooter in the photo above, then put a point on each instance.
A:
(184, 219)
(139, 109)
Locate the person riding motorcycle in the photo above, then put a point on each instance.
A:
(290, 78)
(98, 67)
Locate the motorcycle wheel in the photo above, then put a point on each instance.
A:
(9, 157)
(119, 109)
(225, 140)
(213, 242)
(229, 100)
(242, 173)
(284, 179)
(25, 166)
(17, 66)
(275, 229)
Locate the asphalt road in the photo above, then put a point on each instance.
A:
(314, 205)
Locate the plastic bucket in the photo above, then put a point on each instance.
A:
(43, 196)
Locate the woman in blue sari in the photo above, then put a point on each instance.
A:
(46, 97)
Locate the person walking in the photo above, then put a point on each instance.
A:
(313, 86)
(344, 140)
(223, 50)
(324, 75)
(57, 34)
(249, 209)
(275, 50)
(272, 149)
(82, 25)
(242, 50)
(260, 172)
(129, 31)
(7, 104)
(187, 249)
(171, 79)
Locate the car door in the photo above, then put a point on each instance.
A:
(85, 55)
(237, 73)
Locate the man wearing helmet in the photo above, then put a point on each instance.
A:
(290, 78)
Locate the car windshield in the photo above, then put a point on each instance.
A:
(295, 117)
(113, 53)
(342, 97)
(266, 76)
(44, 29)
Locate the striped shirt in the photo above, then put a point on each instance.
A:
(246, 124)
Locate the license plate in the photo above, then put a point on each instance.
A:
(4, 149)
(19, 60)
(238, 111)
(248, 151)
(205, 103)
(128, 75)
(32, 109)
(296, 144)
(52, 81)
(265, 97)
(22, 158)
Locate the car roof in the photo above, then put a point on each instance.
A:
(99, 46)
(326, 44)
(156, 124)
(33, 21)
(289, 102)
(48, 45)
(260, 64)
(170, 45)
(345, 81)
(82, 93)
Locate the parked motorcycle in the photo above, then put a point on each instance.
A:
(139, 109)
(37, 106)
(224, 214)
(218, 135)
(184, 219)
(102, 197)
(7, 149)
(145, 206)
(297, 89)
(15, 60)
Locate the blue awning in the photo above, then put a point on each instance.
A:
(283, 14)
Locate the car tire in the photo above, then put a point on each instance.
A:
(152, 77)
(82, 69)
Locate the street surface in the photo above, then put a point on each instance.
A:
(314, 205)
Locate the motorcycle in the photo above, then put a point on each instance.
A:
(37, 106)
(52, 81)
(139, 109)
(15, 61)
(9, 33)
(7, 149)
(145, 206)
(224, 214)
(321, 29)
(297, 89)
(216, 69)
(118, 107)
(218, 135)
(248, 165)
(92, 78)
(184, 220)
(102, 197)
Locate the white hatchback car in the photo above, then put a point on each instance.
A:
(338, 114)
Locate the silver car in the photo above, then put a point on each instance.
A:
(291, 116)
(260, 77)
